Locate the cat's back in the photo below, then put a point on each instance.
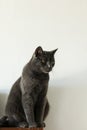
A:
(15, 90)
(14, 96)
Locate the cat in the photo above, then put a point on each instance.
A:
(27, 104)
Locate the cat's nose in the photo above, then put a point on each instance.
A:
(48, 65)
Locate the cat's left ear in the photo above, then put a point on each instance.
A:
(54, 51)
(38, 51)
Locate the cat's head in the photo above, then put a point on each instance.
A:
(44, 60)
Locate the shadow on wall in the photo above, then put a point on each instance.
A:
(3, 99)
(68, 109)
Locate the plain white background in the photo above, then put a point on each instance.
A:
(26, 24)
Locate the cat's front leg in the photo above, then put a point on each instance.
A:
(28, 106)
(39, 111)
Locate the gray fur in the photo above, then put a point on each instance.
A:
(27, 102)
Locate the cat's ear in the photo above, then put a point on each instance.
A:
(54, 51)
(38, 51)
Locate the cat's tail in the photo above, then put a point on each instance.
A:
(3, 121)
(8, 122)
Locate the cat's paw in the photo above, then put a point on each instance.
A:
(23, 124)
(41, 124)
(33, 125)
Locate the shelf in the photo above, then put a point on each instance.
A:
(21, 128)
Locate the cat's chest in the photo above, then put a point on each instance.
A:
(39, 83)
(38, 89)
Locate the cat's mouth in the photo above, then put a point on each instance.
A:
(46, 71)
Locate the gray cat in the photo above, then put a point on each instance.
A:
(27, 102)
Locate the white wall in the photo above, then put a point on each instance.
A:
(24, 25)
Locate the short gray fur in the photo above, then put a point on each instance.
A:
(27, 102)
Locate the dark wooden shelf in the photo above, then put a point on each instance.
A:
(21, 128)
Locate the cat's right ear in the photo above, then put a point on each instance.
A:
(38, 51)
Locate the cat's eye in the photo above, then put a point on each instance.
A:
(43, 61)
